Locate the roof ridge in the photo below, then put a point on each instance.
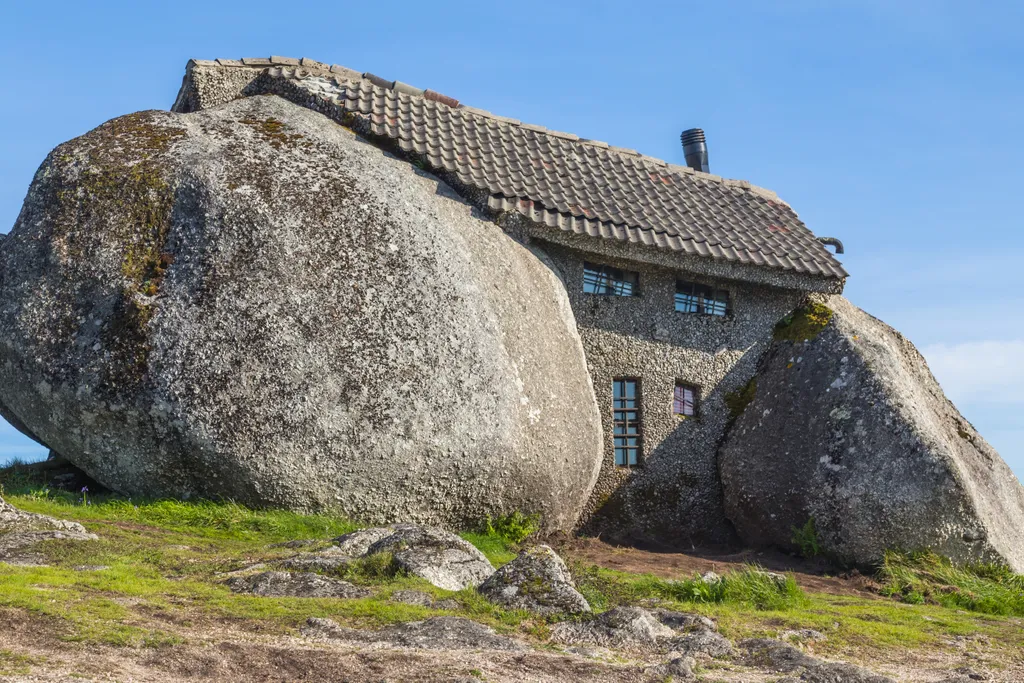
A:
(336, 70)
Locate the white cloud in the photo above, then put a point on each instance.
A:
(983, 371)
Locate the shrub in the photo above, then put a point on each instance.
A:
(806, 539)
(514, 528)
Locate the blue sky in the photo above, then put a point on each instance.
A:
(894, 126)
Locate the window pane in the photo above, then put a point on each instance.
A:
(599, 279)
(684, 400)
(695, 298)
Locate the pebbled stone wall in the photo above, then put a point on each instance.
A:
(675, 496)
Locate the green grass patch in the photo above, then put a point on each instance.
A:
(925, 577)
(751, 588)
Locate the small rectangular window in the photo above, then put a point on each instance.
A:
(684, 401)
(599, 279)
(694, 298)
(626, 406)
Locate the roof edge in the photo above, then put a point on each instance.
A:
(317, 68)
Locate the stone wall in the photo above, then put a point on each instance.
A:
(674, 497)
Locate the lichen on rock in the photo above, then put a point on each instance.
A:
(251, 303)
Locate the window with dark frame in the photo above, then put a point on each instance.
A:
(600, 279)
(626, 405)
(694, 298)
(684, 400)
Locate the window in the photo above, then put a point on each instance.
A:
(598, 279)
(694, 298)
(684, 401)
(626, 406)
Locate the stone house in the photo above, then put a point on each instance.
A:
(676, 277)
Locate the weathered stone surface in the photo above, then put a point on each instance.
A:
(851, 429)
(436, 633)
(326, 560)
(774, 655)
(250, 302)
(358, 542)
(20, 530)
(439, 556)
(702, 643)
(295, 585)
(537, 580)
(621, 627)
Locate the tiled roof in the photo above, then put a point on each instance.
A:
(566, 182)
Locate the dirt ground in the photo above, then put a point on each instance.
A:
(812, 575)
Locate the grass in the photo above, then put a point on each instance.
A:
(165, 563)
(750, 588)
(925, 577)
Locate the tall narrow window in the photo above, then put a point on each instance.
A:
(626, 406)
(684, 401)
(598, 279)
(694, 298)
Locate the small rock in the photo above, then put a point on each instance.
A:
(439, 556)
(803, 635)
(295, 585)
(780, 657)
(684, 621)
(710, 577)
(326, 560)
(357, 543)
(411, 597)
(91, 567)
(702, 643)
(448, 605)
(538, 581)
(436, 633)
(677, 668)
(299, 543)
(622, 627)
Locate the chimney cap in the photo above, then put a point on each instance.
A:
(695, 149)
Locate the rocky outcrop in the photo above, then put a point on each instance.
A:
(438, 556)
(295, 585)
(250, 302)
(639, 629)
(436, 633)
(538, 581)
(848, 428)
(20, 531)
(779, 657)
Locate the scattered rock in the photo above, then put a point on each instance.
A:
(299, 543)
(441, 557)
(702, 643)
(20, 530)
(803, 635)
(779, 657)
(851, 429)
(710, 577)
(538, 581)
(295, 585)
(621, 627)
(684, 621)
(326, 560)
(357, 543)
(677, 668)
(448, 604)
(436, 633)
(411, 597)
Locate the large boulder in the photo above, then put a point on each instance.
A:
(251, 302)
(848, 427)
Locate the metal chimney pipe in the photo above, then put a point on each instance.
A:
(695, 149)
